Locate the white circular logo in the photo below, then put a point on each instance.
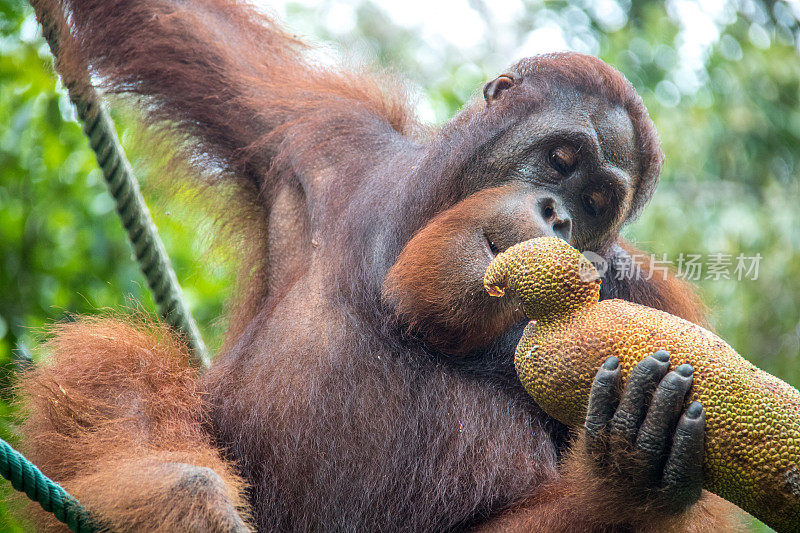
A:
(592, 265)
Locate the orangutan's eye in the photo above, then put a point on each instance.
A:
(563, 159)
(595, 203)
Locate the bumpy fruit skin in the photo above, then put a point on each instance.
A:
(752, 445)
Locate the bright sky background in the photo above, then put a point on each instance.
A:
(466, 27)
(458, 23)
(463, 31)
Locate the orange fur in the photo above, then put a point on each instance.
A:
(117, 419)
(428, 285)
(582, 499)
(336, 419)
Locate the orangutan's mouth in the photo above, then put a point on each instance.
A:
(491, 248)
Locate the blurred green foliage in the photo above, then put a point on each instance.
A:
(62, 247)
(727, 111)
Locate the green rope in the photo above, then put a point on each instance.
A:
(150, 252)
(153, 260)
(25, 477)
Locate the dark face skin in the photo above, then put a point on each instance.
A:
(573, 167)
(334, 418)
(566, 168)
(576, 164)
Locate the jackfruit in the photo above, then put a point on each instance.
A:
(752, 440)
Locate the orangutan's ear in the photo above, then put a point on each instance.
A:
(495, 88)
